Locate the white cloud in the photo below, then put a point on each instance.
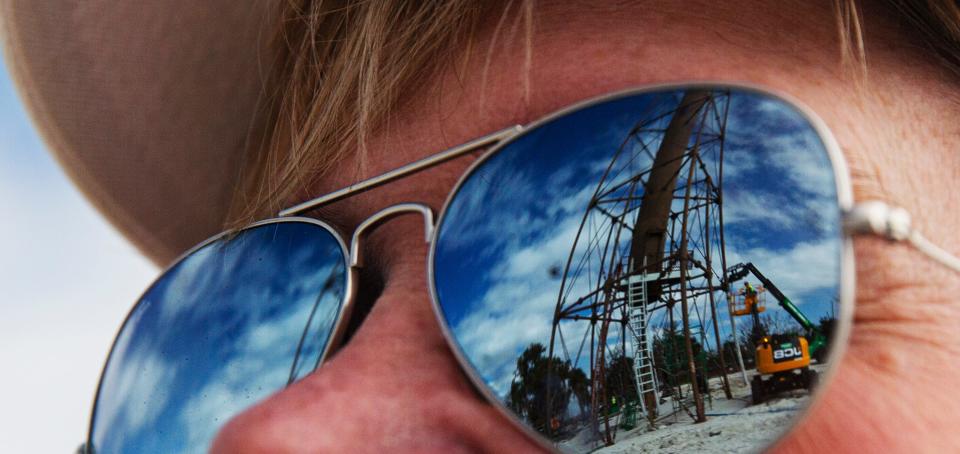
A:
(758, 209)
(145, 376)
(804, 268)
(536, 259)
(261, 360)
(517, 310)
(793, 156)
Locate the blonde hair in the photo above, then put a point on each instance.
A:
(937, 22)
(343, 65)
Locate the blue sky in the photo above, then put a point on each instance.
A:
(519, 215)
(67, 279)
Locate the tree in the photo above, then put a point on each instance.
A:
(621, 378)
(771, 323)
(781, 323)
(746, 353)
(580, 387)
(533, 379)
(670, 355)
(827, 327)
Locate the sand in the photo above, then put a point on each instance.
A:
(733, 425)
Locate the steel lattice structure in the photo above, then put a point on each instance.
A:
(654, 227)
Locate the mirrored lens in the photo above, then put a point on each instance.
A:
(233, 322)
(658, 272)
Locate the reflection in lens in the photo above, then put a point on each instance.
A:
(659, 272)
(233, 322)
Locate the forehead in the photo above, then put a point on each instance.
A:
(527, 64)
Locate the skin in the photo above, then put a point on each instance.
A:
(395, 386)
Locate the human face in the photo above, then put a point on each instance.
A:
(395, 384)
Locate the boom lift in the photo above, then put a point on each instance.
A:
(785, 360)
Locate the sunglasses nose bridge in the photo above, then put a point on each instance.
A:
(378, 218)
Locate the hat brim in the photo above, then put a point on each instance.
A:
(146, 105)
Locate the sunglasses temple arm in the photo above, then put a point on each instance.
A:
(893, 223)
(934, 252)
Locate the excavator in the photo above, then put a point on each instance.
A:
(783, 361)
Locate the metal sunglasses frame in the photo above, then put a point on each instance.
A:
(864, 218)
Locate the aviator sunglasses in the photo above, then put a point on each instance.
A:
(668, 268)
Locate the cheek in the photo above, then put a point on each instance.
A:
(899, 371)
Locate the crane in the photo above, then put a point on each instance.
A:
(785, 360)
(817, 340)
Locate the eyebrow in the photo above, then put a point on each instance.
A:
(400, 172)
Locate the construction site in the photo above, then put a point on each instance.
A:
(674, 329)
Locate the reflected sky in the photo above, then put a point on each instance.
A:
(220, 331)
(508, 233)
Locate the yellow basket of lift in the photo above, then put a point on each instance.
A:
(744, 301)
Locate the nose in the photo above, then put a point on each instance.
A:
(395, 386)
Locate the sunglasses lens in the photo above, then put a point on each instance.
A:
(658, 271)
(236, 320)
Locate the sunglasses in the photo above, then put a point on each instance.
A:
(612, 274)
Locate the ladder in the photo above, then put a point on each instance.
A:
(646, 379)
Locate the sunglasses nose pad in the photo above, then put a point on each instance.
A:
(656, 270)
